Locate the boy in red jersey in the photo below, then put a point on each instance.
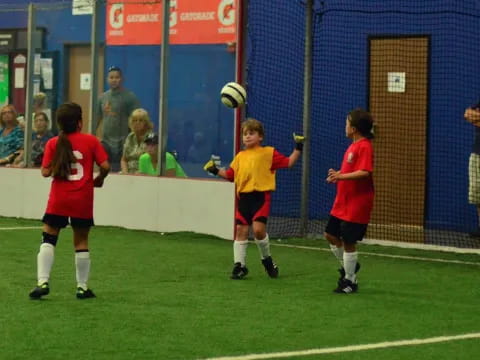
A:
(353, 204)
(253, 171)
(69, 159)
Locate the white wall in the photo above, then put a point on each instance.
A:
(134, 202)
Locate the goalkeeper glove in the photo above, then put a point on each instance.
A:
(299, 140)
(211, 167)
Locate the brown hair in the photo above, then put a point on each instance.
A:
(362, 120)
(42, 114)
(69, 116)
(253, 125)
(9, 108)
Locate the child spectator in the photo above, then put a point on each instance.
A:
(148, 162)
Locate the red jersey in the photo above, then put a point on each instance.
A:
(354, 200)
(74, 197)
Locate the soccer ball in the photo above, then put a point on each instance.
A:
(233, 95)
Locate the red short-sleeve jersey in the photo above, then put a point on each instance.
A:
(354, 200)
(74, 197)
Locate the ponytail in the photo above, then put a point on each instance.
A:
(68, 117)
(63, 158)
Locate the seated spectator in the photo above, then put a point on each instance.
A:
(40, 136)
(148, 162)
(134, 146)
(11, 135)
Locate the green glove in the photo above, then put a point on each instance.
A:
(299, 140)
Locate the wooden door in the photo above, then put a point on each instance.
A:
(398, 100)
(78, 72)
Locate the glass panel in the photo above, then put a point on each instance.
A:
(12, 82)
(202, 60)
(132, 65)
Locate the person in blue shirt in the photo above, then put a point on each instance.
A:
(11, 135)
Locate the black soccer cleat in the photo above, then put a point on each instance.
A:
(239, 271)
(342, 272)
(270, 267)
(346, 286)
(84, 294)
(39, 291)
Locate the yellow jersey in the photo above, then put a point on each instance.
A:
(254, 169)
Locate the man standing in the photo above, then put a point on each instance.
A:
(114, 108)
(472, 115)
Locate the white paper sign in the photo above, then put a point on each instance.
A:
(396, 82)
(36, 67)
(19, 78)
(48, 112)
(82, 7)
(36, 86)
(47, 76)
(45, 63)
(85, 81)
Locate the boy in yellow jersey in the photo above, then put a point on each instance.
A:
(253, 171)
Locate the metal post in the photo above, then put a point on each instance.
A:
(27, 143)
(307, 99)
(241, 76)
(163, 113)
(92, 124)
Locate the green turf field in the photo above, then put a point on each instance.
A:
(169, 297)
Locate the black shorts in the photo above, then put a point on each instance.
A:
(348, 232)
(59, 221)
(252, 206)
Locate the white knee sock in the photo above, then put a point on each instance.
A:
(240, 251)
(349, 263)
(82, 264)
(45, 262)
(338, 252)
(263, 247)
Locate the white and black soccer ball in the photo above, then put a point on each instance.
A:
(233, 95)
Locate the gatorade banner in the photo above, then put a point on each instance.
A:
(139, 22)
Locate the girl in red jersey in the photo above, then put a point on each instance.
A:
(253, 170)
(69, 158)
(353, 204)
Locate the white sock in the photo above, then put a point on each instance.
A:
(350, 262)
(263, 247)
(338, 252)
(240, 251)
(82, 264)
(45, 262)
